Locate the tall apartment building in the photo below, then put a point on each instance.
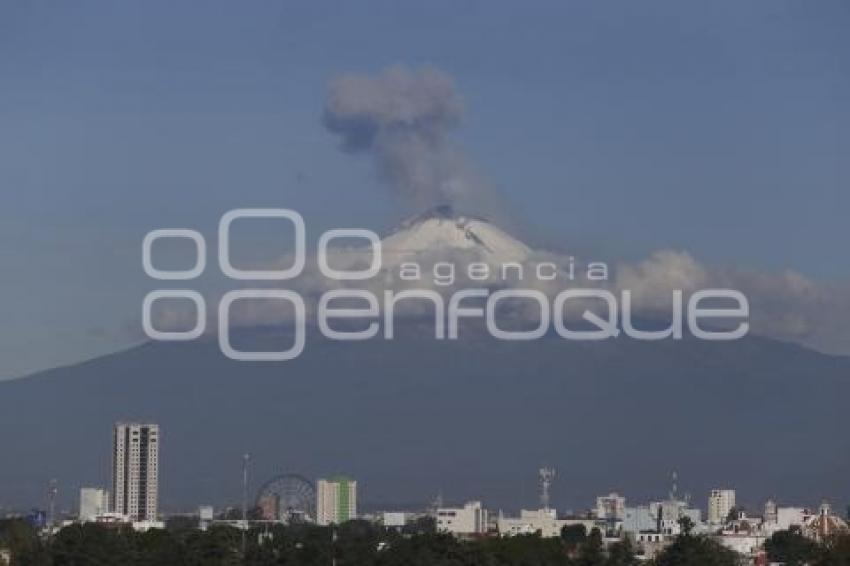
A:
(336, 500)
(720, 502)
(135, 470)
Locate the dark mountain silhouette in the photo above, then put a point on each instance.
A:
(471, 419)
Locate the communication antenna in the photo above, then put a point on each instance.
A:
(438, 501)
(246, 460)
(435, 504)
(547, 476)
(52, 492)
(674, 489)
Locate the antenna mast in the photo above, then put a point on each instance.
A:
(674, 490)
(52, 492)
(547, 476)
(246, 459)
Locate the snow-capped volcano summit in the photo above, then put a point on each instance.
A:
(443, 230)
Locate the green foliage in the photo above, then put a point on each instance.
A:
(574, 535)
(592, 550)
(836, 552)
(622, 554)
(689, 550)
(733, 514)
(358, 543)
(421, 526)
(24, 544)
(791, 548)
(79, 545)
(686, 524)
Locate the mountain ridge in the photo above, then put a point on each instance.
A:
(472, 419)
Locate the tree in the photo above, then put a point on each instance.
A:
(573, 535)
(23, 542)
(592, 551)
(422, 526)
(836, 552)
(790, 547)
(426, 550)
(159, 546)
(181, 523)
(91, 543)
(622, 553)
(733, 514)
(686, 525)
(689, 550)
(218, 546)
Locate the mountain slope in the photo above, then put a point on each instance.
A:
(472, 418)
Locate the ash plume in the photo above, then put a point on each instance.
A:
(402, 118)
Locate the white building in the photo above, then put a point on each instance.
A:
(543, 521)
(94, 501)
(787, 517)
(471, 519)
(660, 517)
(206, 514)
(747, 544)
(783, 518)
(144, 526)
(336, 500)
(639, 520)
(720, 503)
(394, 519)
(668, 514)
(611, 507)
(135, 470)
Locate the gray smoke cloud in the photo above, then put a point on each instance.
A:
(402, 117)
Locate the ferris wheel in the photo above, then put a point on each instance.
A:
(288, 497)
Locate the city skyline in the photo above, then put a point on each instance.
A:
(389, 283)
(134, 494)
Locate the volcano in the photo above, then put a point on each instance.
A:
(471, 419)
(443, 229)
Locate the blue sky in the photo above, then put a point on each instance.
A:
(612, 128)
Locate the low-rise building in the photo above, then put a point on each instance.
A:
(206, 515)
(824, 524)
(94, 501)
(394, 519)
(661, 517)
(529, 522)
(783, 518)
(471, 519)
(746, 544)
(611, 507)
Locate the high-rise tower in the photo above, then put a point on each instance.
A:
(336, 500)
(135, 470)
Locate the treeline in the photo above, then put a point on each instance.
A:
(360, 543)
